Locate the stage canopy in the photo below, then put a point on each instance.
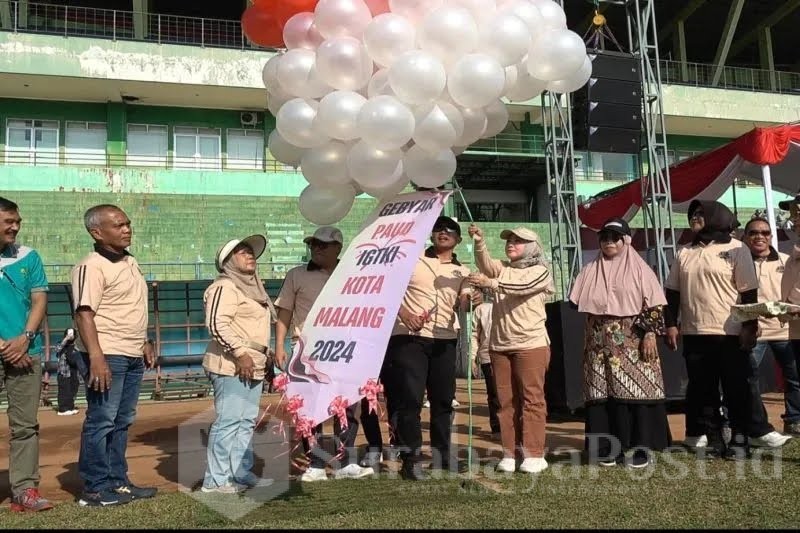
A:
(767, 155)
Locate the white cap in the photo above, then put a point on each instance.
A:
(326, 234)
(257, 243)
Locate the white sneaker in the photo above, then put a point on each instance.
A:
(353, 471)
(426, 404)
(696, 442)
(773, 439)
(454, 403)
(314, 474)
(68, 413)
(532, 465)
(507, 464)
(227, 488)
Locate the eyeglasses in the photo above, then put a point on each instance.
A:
(763, 233)
(319, 244)
(445, 229)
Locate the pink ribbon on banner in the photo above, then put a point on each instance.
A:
(371, 390)
(338, 408)
(304, 427)
(280, 382)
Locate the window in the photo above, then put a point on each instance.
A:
(197, 148)
(32, 142)
(245, 149)
(85, 143)
(147, 145)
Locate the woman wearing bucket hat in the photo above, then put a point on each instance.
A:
(623, 385)
(518, 342)
(238, 313)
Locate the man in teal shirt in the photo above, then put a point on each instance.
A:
(23, 303)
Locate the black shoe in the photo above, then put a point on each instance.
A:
(737, 453)
(104, 498)
(792, 428)
(639, 459)
(136, 493)
(412, 471)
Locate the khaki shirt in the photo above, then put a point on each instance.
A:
(238, 326)
(481, 328)
(710, 278)
(433, 290)
(300, 289)
(770, 271)
(520, 294)
(115, 289)
(790, 288)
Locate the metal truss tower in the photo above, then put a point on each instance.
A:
(654, 163)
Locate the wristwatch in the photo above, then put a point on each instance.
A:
(30, 335)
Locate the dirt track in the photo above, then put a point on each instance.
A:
(162, 429)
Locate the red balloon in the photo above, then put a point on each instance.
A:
(261, 27)
(286, 9)
(377, 7)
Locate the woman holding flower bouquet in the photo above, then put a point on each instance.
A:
(623, 385)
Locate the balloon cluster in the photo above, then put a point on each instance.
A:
(373, 94)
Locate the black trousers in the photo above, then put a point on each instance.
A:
(345, 438)
(491, 396)
(68, 387)
(413, 365)
(712, 360)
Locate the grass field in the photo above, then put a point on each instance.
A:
(679, 491)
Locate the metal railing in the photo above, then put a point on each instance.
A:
(221, 33)
(176, 271)
(523, 144)
(123, 25)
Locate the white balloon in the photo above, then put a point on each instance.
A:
(479, 9)
(371, 166)
(506, 38)
(295, 123)
(476, 80)
(448, 33)
(338, 113)
(387, 37)
(575, 81)
(323, 206)
(417, 77)
(343, 63)
(427, 169)
(276, 98)
(392, 189)
(474, 125)
(433, 130)
(341, 18)
(385, 123)
(496, 119)
(458, 150)
(297, 74)
(283, 151)
(527, 86)
(556, 55)
(379, 84)
(326, 165)
(414, 10)
(526, 11)
(270, 73)
(453, 115)
(512, 73)
(300, 32)
(553, 16)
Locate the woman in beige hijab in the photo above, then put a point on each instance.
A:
(238, 313)
(623, 386)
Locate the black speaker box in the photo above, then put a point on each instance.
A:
(627, 117)
(605, 139)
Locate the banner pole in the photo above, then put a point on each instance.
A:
(469, 347)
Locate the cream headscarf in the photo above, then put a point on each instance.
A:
(249, 284)
(531, 256)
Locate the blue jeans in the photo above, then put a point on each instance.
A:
(785, 356)
(104, 439)
(230, 439)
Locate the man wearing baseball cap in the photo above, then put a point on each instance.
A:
(790, 283)
(301, 287)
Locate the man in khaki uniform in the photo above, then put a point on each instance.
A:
(790, 283)
(110, 298)
(300, 289)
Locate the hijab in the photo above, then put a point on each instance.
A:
(719, 222)
(619, 286)
(249, 284)
(531, 256)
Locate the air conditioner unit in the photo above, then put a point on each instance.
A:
(248, 118)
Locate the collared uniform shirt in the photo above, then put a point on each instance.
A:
(299, 291)
(770, 271)
(21, 274)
